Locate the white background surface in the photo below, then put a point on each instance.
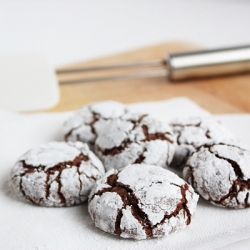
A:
(71, 31)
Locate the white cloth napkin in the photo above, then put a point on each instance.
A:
(26, 226)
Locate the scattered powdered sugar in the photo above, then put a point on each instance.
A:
(220, 173)
(141, 201)
(56, 174)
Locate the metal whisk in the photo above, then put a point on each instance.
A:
(177, 66)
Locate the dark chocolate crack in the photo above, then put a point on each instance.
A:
(231, 145)
(155, 136)
(66, 137)
(246, 200)
(141, 156)
(55, 170)
(58, 167)
(138, 121)
(89, 177)
(129, 199)
(80, 181)
(60, 194)
(96, 118)
(207, 134)
(187, 125)
(115, 150)
(178, 137)
(190, 175)
(184, 202)
(236, 167)
(182, 205)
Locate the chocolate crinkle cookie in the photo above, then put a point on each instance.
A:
(141, 201)
(193, 132)
(56, 174)
(86, 123)
(220, 173)
(135, 138)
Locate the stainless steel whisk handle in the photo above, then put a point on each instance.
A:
(207, 63)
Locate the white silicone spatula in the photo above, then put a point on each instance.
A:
(27, 83)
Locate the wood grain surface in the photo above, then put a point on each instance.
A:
(217, 95)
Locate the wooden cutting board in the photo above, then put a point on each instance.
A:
(217, 95)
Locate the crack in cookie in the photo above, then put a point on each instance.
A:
(129, 199)
(136, 122)
(141, 156)
(96, 118)
(115, 150)
(182, 204)
(155, 136)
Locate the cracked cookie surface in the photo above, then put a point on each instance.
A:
(141, 201)
(135, 138)
(193, 132)
(56, 174)
(86, 123)
(220, 173)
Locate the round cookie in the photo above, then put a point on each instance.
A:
(193, 132)
(141, 201)
(56, 174)
(85, 124)
(220, 173)
(135, 138)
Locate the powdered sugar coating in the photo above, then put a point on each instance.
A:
(193, 132)
(56, 174)
(135, 138)
(141, 201)
(86, 123)
(220, 173)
